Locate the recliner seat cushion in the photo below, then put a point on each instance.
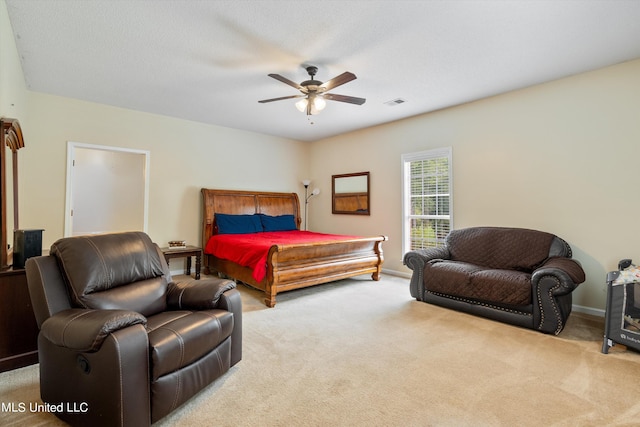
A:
(179, 338)
(465, 280)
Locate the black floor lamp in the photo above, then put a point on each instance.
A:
(307, 196)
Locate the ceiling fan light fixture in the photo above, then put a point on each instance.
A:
(317, 104)
(302, 105)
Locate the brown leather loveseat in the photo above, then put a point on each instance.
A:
(120, 343)
(518, 276)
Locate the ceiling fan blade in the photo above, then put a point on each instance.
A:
(281, 98)
(337, 81)
(286, 80)
(344, 98)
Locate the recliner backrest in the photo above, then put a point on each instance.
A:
(113, 271)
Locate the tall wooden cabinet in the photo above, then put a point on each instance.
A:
(18, 328)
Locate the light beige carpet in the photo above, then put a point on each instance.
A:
(363, 353)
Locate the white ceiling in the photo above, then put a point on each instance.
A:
(208, 61)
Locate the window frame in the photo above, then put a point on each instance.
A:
(407, 159)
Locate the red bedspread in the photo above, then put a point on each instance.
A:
(251, 250)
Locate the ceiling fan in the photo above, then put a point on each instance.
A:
(314, 92)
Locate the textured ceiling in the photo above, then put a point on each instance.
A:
(208, 61)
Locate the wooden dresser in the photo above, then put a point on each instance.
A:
(18, 328)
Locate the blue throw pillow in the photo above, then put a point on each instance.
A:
(238, 224)
(278, 223)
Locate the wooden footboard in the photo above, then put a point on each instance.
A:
(300, 266)
(289, 266)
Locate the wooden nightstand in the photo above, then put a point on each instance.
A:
(185, 252)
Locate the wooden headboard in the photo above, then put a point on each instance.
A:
(236, 202)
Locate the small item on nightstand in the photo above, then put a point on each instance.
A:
(177, 244)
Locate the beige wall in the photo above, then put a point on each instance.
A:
(561, 157)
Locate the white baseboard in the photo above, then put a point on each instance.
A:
(588, 310)
(397, 273)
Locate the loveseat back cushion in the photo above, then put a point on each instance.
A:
(500, 247)
(560, 248)
(118, 270)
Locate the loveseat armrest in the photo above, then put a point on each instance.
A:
(552, 285)
(420, 257)
(197, 295)
(416, 260)
(567, 270)
(85, 330)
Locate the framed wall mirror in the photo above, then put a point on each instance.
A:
(350, 194)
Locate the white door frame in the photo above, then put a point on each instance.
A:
(71, 146)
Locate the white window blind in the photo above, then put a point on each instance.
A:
(427, 198)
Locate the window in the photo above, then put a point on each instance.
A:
(427, 195)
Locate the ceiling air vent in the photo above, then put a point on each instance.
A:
(395, 102)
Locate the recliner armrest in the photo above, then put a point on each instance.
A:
(85, 329)
(232, 302)
(197, 295)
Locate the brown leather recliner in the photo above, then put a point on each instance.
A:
(120, 343)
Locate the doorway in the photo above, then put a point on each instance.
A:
(107, 189)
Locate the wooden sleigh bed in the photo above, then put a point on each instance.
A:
(288, 266)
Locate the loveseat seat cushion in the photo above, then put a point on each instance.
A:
(465, 280)
(500, 247)
(179, 338)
